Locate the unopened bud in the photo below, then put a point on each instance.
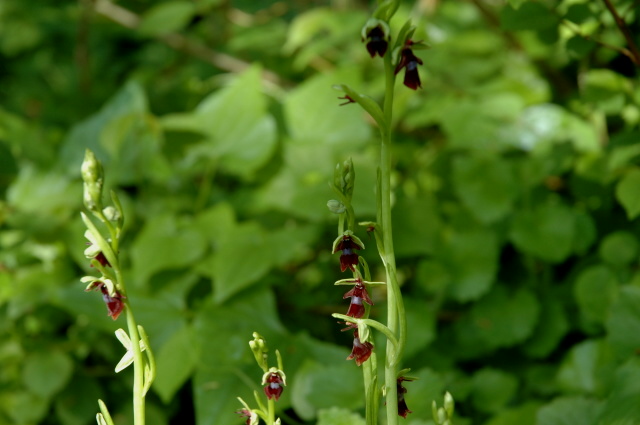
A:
(336, 207)
(93, 177)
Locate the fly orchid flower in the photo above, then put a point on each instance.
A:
(358, 295)
(361, 350)
(347, 243)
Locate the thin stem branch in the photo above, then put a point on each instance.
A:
(577, 32)
(128, 19)
(390, 367)
(624, 29)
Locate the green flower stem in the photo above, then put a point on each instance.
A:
(138, 366)
(271, 411)
(396, 321)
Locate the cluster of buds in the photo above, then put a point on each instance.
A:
(100, 251)
(273, 380)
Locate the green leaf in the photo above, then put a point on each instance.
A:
(530, 15)
(241, 135)
(586, 369)
(78, 401)
(339, 416)
(595, 290)
(623, 323)
(524, 414)
(166, 17)
(500, 319)
(471, 257)
(244, 255)
(551, 328)
(46, 373)
(619, 248)
(580, 47)
(24, 407)
(128, 101)
(316, 386)
(578, 13)
(621, 406)
(422, 322)
(415, 224)
(175, 361)
(628, 192)
(492, 389)
(166, 242)
(314, 117)
(429, 386)
(225, 368)
(569, 411)
(486, 185)
(547, 231)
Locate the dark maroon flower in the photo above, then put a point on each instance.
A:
(377, 41)
(348, 100)
(410, 63)
(403, 410)
(347, 244)
(102, 259)
(274, 385)
(358, 295)
(361, 350)
(112, 299)
(246, 413)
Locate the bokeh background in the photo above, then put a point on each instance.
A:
(516, 192)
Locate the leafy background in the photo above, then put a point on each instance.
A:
(516, 198)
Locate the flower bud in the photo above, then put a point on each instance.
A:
(111, 213)
(93, 178)
(336, 207)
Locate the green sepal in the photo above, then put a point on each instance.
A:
(352, 281)
(105, 247)
(336, 207)
(150, 364)
(367, 103)
(106, 417)
(116, 203)
(405, 33)
(350, 234)
(386, 9)
(363, 331)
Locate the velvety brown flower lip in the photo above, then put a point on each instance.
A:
(274, 386)
(361, 350)
(376, 43)
(410, 63)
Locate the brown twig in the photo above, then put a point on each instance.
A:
(624, 29)
(577, 32)
(176, 41)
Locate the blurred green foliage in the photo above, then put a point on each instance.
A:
(516, 204)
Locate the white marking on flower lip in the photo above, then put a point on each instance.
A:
(274, 385)
(356, 300)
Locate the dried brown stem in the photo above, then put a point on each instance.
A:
(624, 29)
(179, 42)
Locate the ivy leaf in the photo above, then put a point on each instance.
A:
(175, 362)
(500, 319)
(486, 185)
(316, 386)
(623, 322)
(569, 411)
(46, 373)
(492, 389)
(595, 290)
(166, 242)
(628, 192)
(547, 231)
